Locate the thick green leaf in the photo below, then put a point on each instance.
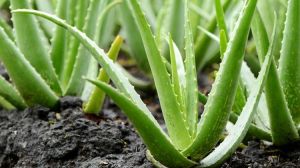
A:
(218, 107)
(96, 100)
(103, 39)
(59, 40)
(203, 41)
(30, 84)
(31, 42)
(5, 104)
(289, 63)
(9, 93)
(81, 12)
(176, 125)
(134, 40)
(83, 59)
(8, 30)
(261, 119)
(178, 74)
(191, 90)
(46, 6)
(221, 17)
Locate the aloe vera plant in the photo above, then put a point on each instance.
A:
(188, 140)
(269, 110)
(43, 56)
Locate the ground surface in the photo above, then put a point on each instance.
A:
(42, 138)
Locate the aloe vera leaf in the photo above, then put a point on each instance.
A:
(240, 99)
(282, 125)
(102, 39)
(281, 26)
(8, 30)
(72, 12)
(107, 23)
(191, 90)
(113, 70)
(160, 147)
(2, 2)
(95, 102)
(176, 22)
(254, 130)
(261, 118)
(148, 10)
(201, 12)
(221, 99)
(30, 84)
(59, 40)
(223, 42)
(133, 40)
(33, 48)
(209, 34)
(178, 132)
(5, 104)
(9, 93)
(81, 9)
(195, 18)
(221, 17)
(160, 24)
(83, 59)
(109, 27)
(178, 74)
(46, 6)
(289, 72)
(239, 131)
(267, 9)
(203, 41)
(91, 74)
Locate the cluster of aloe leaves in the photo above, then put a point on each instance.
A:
(45, 62)
(266, 107)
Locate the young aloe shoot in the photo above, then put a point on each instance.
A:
(96, 100)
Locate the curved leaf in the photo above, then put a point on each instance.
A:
(32, 42)
(31, 86)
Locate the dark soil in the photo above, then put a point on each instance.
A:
(259, 155)
(39, 137)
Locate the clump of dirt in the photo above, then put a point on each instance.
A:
(39, 137)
